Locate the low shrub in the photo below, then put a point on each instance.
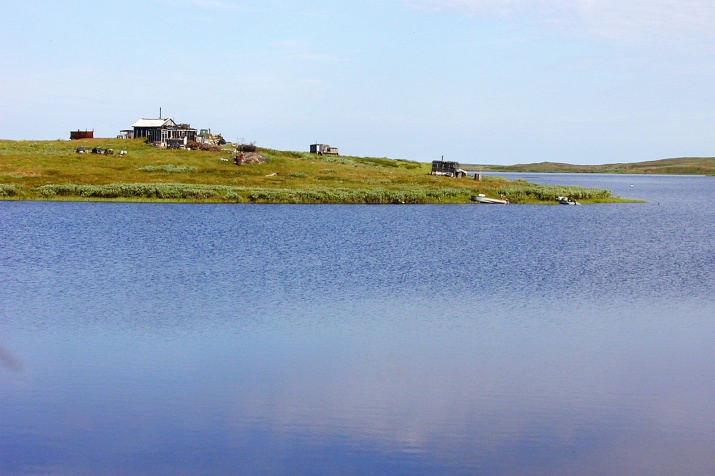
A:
(521, 192)
(139, 190)
(246, 147)
(9, 190)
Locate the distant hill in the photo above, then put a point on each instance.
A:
(679, 166)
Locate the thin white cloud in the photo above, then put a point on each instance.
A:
(621, 20)
(302, 51)
(321, 57)
(205, 4)
(474, 7)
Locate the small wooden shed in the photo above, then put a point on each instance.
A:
(323, 149)
(85, 134)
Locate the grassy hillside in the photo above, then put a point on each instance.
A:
(680, 166)
(39, 170)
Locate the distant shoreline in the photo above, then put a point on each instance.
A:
(677, 166)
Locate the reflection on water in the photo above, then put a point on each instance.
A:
(7, 360)
(165, 339)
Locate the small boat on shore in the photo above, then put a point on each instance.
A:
(567, 201)
(481, 198)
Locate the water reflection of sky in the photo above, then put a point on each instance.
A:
(552, 350)
(491, 395)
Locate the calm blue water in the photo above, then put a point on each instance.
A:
(145, 339)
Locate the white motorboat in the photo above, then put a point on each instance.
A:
(567, 201)
(481, 198)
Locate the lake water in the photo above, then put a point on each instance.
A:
(166, 339)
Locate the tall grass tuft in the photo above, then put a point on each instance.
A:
(9, 190)
(522, 192)
(138, 190)
(219, 193)
(343, 195)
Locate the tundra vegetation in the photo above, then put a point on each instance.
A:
(52, 170)
(678, 166)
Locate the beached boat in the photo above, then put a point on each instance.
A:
(481, 198)
(567, 201)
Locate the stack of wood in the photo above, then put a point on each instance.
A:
(252, 158)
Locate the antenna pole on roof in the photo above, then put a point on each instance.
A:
(159, 113)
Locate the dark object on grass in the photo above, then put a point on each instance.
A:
(246, 147)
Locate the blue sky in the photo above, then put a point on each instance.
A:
(476, 81)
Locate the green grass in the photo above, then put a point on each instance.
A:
(51, 170)
(169, 168)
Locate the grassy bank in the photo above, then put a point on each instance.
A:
(51, 170)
